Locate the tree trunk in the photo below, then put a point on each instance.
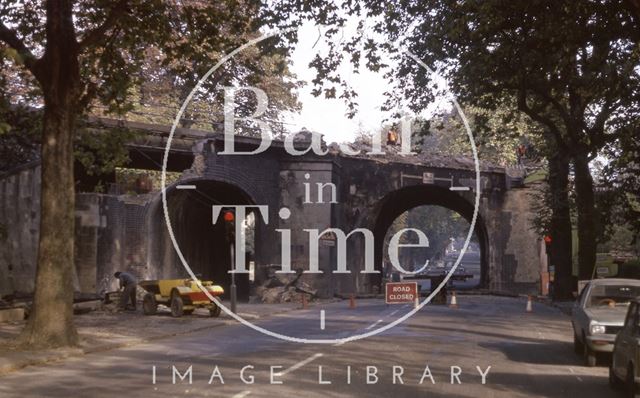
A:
(560, 256)
(585, 201)
(51, 321)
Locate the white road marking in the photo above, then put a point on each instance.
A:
(373, 324)
(368, 327)
(299, 364)
(321, 319)
(185, 187)
(242, 394)
(574, 373)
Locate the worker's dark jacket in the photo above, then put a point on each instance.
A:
(127, 279)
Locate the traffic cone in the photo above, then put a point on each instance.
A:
(454, 300)
(352, 301)
(529, 305)
(304, 302)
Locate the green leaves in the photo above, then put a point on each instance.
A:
(101, 151)
(4, 127)
(140, 58)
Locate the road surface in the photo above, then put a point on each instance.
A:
(529, 355)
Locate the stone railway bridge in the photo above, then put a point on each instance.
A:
(116, 232)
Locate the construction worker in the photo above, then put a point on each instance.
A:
(521, 153)
(392, 137)
(128, 284)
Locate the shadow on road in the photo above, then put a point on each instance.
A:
(554, 385)
(541, 352)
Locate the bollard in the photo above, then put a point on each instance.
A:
(529, 305)
(352, 301)
(454, 300)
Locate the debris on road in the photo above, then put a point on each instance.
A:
(284, 288)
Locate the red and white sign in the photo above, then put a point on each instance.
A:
(401, 292)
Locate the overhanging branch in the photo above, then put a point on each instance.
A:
(26, 56)
(524, 107)
(99, 34)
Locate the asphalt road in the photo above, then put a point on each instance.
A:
(529, 355)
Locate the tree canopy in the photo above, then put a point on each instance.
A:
(571, 67)
(70, 57)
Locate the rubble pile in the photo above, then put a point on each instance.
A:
(284, 288)
(15, 307)
(111, 301)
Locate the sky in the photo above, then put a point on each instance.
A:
(327, 116)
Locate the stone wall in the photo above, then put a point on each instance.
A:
(128, 233)
(19, 226)
(111, 235)
(297, 180)
(523, 261)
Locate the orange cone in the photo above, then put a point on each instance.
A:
(352, 301)
(454, 300)
(529, 305)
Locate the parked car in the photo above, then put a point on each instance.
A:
(599, 314)
(625, 368)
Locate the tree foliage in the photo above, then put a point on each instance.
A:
(621, 181)
(75, 56)
(572, 67)
(496, 133)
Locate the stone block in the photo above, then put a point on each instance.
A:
(11, 315)
(87, 306)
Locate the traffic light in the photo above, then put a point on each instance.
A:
(547, 243)
(547, 246)
(229, 226)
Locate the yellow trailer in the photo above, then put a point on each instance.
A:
(183, 296)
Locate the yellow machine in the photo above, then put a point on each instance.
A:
(183, 296)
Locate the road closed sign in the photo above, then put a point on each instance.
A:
(401, 292)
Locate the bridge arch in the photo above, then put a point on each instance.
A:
(202, 243)
(395, 203)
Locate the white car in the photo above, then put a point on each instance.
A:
(625, 369)
(599, 314)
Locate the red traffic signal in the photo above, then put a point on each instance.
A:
(228, 216)
(229, 225)
(547, 239)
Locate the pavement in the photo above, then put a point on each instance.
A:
(566, 307)
(105, 330)
(488, 347)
